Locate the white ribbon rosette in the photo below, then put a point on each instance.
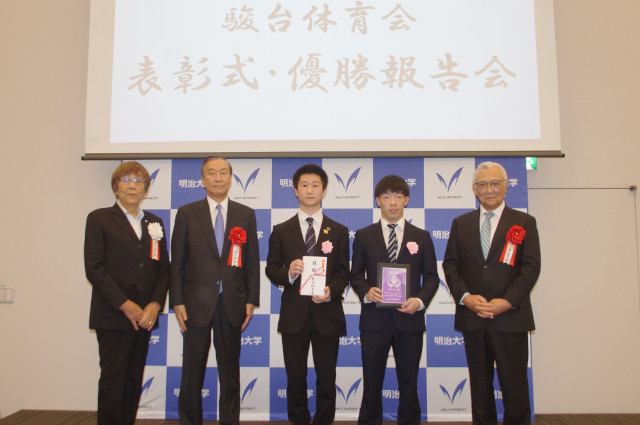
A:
(156, 234)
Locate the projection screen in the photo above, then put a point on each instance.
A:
(303, 78)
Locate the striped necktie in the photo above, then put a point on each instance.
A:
(310, 237)
(393, 243)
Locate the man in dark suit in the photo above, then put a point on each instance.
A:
(126, 261)
(215, 284)
(392, 240)
(319, 319)
(491, 263)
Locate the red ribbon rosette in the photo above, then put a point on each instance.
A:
(238, 237)
(515, 236)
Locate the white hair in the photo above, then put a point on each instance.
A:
(487, 165)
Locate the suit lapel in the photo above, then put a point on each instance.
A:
(234, 219)
(325, 232)
(145, 228)
(408, 236)
(122, 221)
(229, 224)
(204, 218)
(378, 238)
(500, 237)
(293, 228)
(474, 233)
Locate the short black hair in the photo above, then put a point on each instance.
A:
(393, 184)
(311, 169)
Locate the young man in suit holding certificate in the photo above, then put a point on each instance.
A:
(306, 319)
(392, 240)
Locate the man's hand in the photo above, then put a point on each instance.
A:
(149, 315)
(374, 295)
(319, 299)
(296, 268)
(132, 311)
(486, 309)
(181, 316)
(410, 306)
(247, 319)
(500, 305)
(479, 305)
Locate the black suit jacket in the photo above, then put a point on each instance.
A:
(286, 244)
(197, 266)
(369, 249)
(119, 266)
(467, 271)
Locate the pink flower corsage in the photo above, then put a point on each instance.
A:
(327, 247)
(412, 247)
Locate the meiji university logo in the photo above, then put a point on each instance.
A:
(249, 389)
(456, 392)
(454, 179)
(153, 177)
(147, 386)
(352, 391)
(151, 195)
(250, 180)
(445, 287)
(352, 178)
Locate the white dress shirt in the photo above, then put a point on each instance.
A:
(214, 212)
(136, 222)
(497, 213)
(304, 225)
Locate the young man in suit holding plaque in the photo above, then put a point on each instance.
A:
(310, 316)
(491, 263)
(401, 325)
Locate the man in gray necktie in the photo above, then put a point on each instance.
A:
(491, 264)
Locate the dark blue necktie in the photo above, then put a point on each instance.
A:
(310, 237)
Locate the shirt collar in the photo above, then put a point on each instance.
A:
(213, 204)
(400, 224)
(497, 212)
(317, 217)
(138, 216)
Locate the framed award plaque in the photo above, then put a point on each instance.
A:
(395, 282)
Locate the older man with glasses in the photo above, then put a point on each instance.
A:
(491, 264)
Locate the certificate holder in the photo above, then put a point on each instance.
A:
(394, 281)
(314, 276)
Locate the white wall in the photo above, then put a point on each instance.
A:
(587, 301)
(587, 305)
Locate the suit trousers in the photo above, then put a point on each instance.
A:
(295, 348)
(195, 350)
(407, 350)
(510, 352)
(122, 358)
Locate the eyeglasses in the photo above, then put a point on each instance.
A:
(136, 180)
(495, 185)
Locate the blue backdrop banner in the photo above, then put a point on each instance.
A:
(440, 191)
